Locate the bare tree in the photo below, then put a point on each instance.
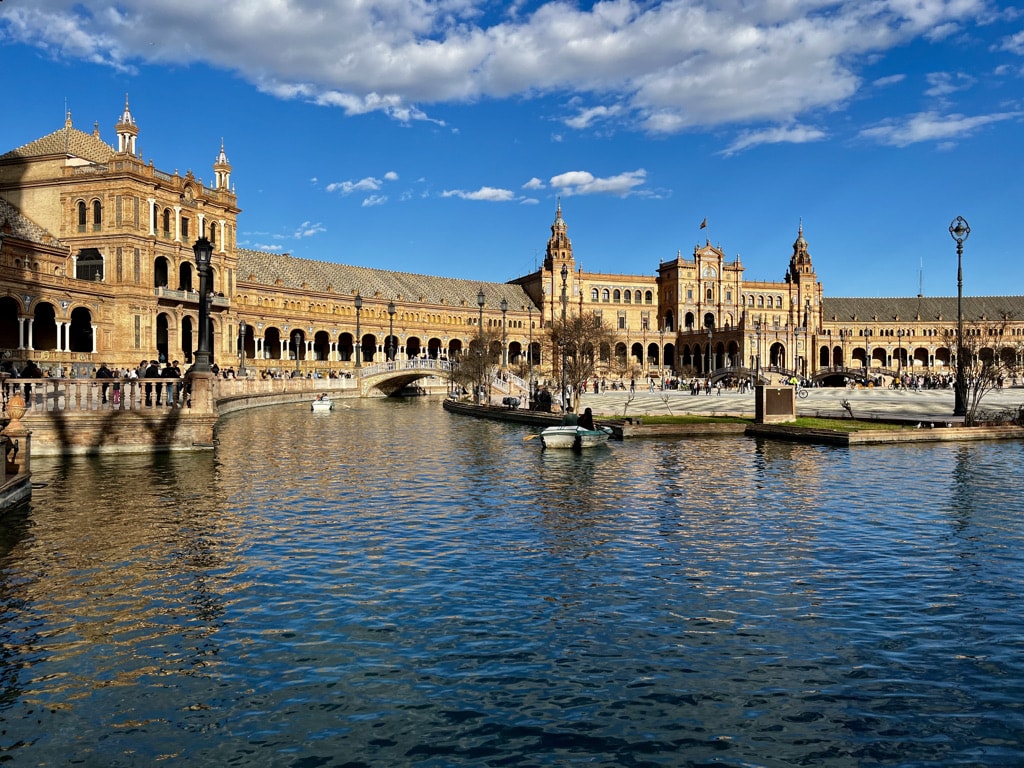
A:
(577, 342)
(474, 368)
(987, 360)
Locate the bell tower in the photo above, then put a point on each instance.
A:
(127, 131)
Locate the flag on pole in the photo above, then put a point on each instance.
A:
(704, 224)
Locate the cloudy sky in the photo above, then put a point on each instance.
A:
(437, 137)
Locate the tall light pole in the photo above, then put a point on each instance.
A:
(295, 342)
(565, 302)
(242, 329)
(529, 311)
(359, 333)
(710, 363)
(959, 230)
(867, 353)
(203, 250)
(480, 300)
(899, 360)
(391, 331)
(504, 349)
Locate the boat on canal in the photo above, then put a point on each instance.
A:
(322, 403)
(574, 437)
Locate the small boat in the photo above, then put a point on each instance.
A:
(574, 437)
(322, 403)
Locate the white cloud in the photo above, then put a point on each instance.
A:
(373, 200)
(585, 183)
(932, 126)
(368, 184)
(944, 83)
(780, 135)
(490, 194)
(668, 66)
(534, 183)
(308, 229)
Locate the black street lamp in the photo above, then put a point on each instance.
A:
(504, 348)
(359, 333)
(203, 250)
(959, 231)
(480, 299)
(899, 360)
(391, 330)
(867, 354)
(242, 329)
(710, 361)
(529, 358)
(295, 342)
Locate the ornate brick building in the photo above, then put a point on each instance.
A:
(96, 265)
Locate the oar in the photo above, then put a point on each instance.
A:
(530, 437)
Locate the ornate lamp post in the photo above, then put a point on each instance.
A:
(867, 353)
(295, 343)
(529, 358)
(359, 332)
(203, 250)
(480, 300)
(391, 331)
(561, 343)
(899, 360)
(710, 362)
(959, 230)
(242, 329)
(504, 348)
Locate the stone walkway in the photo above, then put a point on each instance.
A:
(930, 405)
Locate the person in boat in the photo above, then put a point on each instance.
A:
(586, 420)
(570, 419)
(322, 396)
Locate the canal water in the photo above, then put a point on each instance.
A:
(392, 585)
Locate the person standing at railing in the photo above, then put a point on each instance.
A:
(172, 373)
(152, 371)
(103, 372)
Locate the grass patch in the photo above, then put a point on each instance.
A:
(689, 419)
(842, 425)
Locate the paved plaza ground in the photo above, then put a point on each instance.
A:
(932, 405)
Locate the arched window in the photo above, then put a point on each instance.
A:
(82, 213)
(637, 296)
(648, 297)
(167, 222)
(628, 296)
(605, 295)
(594, 294)
(769, 302)
(616, 296)
(97, 214)
(760, 301)
(710, 294)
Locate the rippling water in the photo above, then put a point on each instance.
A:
(390, 585)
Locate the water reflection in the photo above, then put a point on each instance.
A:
(394, 585)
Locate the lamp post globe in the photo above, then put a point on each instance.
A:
(959, 230)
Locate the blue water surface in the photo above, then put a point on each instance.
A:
(392, 585)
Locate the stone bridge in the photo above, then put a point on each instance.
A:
(395, 375)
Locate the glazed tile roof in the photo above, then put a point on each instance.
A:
(266, 269)
(65, 141)
(929, 308)
(23, 228)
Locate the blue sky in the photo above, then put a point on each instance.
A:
(436, 137)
